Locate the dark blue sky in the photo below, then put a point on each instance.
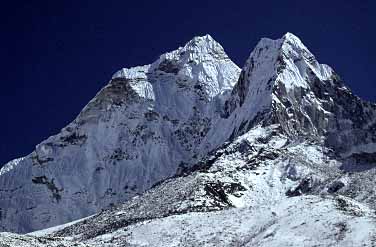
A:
(55, 55)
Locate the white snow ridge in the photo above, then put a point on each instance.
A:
(193, 151)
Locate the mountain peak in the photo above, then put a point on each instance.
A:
(291, 37)
(197, 50)
(194, 51)
(201, 63)
(204, 45)
(283, 83)
(204, 41)
(288, 39)
(287, 59)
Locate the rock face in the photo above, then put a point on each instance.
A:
(254, 157)
(139, 129)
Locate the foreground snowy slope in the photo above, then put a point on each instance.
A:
(289, 160)
(260, 190)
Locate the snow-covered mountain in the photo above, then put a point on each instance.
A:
(280, 153)
(139, 129)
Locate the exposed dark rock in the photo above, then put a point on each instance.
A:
(50, 185)
(168, 66)
(74, 139)
(151, 115)
(304, 187)
(38, 161)
(335, 186)
(347, 207)
(219, 191)
(118, 155)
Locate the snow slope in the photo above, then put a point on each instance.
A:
(261, 190)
